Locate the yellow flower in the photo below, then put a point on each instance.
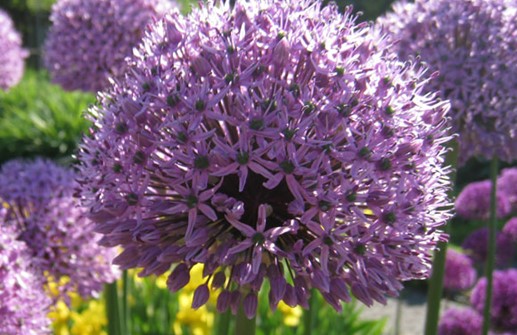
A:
(199, 321)
(60, 316)
(291, 315)
(91, 321)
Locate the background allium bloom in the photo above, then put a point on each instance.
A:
(510, 229)
(276, 141)
(11, 53)
(460, 321)
(504, 296)
(459, 271)
(23, 303)
(507, 183)
(47, 217)
(89, 40)
(473, 202)
(476, 246)
(472, 43)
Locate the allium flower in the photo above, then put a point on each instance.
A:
(23, 303)
(476, 246)
(273, 141)
(47, 217)
(89, 40)
(459, 271)
(507, 183)
(11, 53)
(473, 44)
(474, 201)
(510, 229)
(460, 321)
(504, 296)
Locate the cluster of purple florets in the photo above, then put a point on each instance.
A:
(12, 54)
(473, 203)
(23, 302)
(44, 214)
(89, 40)
(472, 44)
(460, 274)
(275, 140)
(504, 309)
(503, 312)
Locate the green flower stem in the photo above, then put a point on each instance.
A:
(112, 309)
(492, 227)
(125, 308)
(308, 314)
(435, 291)
(243, 325)
(223, 323)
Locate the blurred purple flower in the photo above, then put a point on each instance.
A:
(12, 54)
(460, 274)
(23, 302)
(42, 209)
(274, 141)
(507, 183)
(460, 321)
(475, 245)
(504, 296)
(510, 229)
(473, 45)
(473, 202)
(89, 40)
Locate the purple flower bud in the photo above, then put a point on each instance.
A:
(179, 277)
(290, 296)
(201, 295)
(250, 305)
(201, 66)
(223, 301)
(218, 280)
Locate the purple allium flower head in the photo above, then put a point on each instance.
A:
(473, 45)
(476, 246)
(507, 183)
(41, 207)
(89, 40)
(504, 296)
(12, 54)
(460, 321)
(275, 140)
(23, 302)
(473, 202)
(510, 229)
(459, 271)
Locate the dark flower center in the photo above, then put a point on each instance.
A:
(255, 194)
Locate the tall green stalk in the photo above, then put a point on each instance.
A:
(308, 314)
(125, 307)
(435, 291)
(112, 309)
(243, 325)
(223, 323)
(492, 227)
